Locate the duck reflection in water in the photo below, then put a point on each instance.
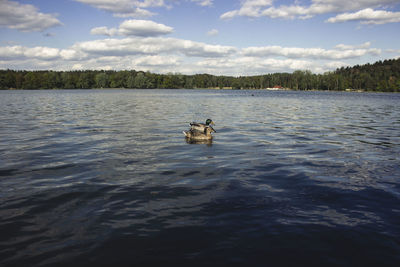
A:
(202, 142)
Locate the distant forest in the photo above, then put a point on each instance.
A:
(381, 76)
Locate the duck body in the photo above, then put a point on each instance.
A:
(193, 134)
(201, 126)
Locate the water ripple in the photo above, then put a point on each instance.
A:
(106, 177)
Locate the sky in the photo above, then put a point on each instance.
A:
(220, 37)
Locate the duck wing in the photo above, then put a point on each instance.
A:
(191, 133)
(197, 126)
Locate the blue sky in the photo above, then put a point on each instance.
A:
(237, 37)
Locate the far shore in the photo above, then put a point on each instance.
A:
(208, 88)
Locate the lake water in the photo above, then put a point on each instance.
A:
(105, 177)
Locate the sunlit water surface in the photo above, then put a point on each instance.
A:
(105, 177)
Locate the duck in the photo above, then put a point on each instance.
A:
(200, 135)
(201, 126)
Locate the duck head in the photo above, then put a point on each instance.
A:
(209, 122)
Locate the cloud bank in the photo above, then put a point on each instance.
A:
(365, 12)
(144, 28)
(368, 16)
(125, 8)
(25, 17)
(342, 52)
(136, 8)
(144, 44)
(158, 54)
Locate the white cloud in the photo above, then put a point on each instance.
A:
(77, 67)
(335, 65)
(137, 62)
(212, 32)
(249, 8)
(259, 8)
(393, 51)
(152, 46)
(368, 16)
(160, 54)
(20, 52)
(144, 28)
(104, 31)
(71, 54)
(11, 52)
(316, 53)
(204, 2)
(45, 53)
(156, 61)
(253, 65)
(125, 8)
(348, 47)
(229, 14)
(25, 17)
(136, 8)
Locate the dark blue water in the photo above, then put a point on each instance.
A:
(291, 178)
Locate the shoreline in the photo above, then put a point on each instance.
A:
(210, 88)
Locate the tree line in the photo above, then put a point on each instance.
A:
(380, 76)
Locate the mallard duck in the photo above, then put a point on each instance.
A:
(201, 126)
(198, 135)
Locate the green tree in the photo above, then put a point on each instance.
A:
(54, 80)
(67, 81)
(101, 80)
(31, 81)
(130, 83)
(85, 80)
(8, 80)
(167, 81)
(140, 81)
